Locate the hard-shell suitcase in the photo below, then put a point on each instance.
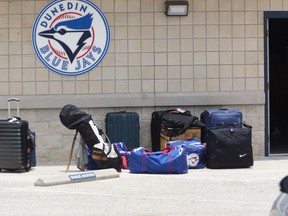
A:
(14, 145)
(220, 118)
(123, 127)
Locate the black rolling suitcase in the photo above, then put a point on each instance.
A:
(123, 127)
(15, 147)
(155, 127)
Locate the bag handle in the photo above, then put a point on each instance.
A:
(226, 123)
(163, 151)
(246, 125)
(9, 106)
(243, 123)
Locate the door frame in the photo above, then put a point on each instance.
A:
(267, 16)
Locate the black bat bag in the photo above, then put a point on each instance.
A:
(229, 148)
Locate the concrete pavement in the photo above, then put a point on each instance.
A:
(208, 192)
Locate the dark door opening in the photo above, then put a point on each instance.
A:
(278, 84)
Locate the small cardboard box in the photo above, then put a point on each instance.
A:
(189, 133)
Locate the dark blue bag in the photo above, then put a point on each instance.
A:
(220, 118)
(166, 161)
(91, 165)
(31, 140)
(196, 158)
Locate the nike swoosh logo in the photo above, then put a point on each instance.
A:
(242, 155)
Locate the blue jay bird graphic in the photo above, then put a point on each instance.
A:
(73, 32)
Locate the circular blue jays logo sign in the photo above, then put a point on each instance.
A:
(71, 37)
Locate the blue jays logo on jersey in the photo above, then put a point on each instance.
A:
(71, 37)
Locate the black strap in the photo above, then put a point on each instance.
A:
(187, 125)
(110, 149)
(246, 125)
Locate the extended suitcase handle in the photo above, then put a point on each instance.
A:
(13, 99)
(9, 106)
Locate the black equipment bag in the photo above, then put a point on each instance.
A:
(229, 148)
(104, 154)
(73, 118)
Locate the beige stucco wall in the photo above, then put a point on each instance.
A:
(214, 57)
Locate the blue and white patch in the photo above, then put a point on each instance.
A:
(192, 160)
(88, 175)
(71, 37)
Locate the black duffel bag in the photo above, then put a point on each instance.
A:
(229, 148)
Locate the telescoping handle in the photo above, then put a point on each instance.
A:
(9, 106)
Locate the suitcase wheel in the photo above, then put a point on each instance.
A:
(29, 166)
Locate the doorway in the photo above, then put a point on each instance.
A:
(276, 80)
